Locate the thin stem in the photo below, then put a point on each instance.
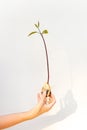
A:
(46, 55)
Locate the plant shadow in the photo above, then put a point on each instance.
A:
(68, 106)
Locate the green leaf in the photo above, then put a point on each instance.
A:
(44, 32)
(32, 33)
(36, 25)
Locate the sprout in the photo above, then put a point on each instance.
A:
(41, 34)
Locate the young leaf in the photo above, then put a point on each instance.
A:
(36, 25)
(31, 33)
(44, 32)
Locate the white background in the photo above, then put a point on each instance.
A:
(23, 65)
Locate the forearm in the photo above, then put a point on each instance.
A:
(16, 118)
(11, 119)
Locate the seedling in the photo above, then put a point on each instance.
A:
(46, 87)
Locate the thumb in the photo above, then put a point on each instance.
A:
(42, 97)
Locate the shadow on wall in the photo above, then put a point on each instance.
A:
(67, 107)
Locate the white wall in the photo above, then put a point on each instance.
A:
(22, 61)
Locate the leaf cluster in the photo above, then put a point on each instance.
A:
(38, 27)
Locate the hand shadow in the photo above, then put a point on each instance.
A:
(67, 107)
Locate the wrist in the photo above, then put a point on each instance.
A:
(33, 113)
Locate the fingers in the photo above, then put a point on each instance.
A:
(53, 101)
(41, 98)
(53, 97)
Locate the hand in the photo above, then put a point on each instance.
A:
(42, 100)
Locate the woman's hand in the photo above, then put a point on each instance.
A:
(42, 99)
(46, 107)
